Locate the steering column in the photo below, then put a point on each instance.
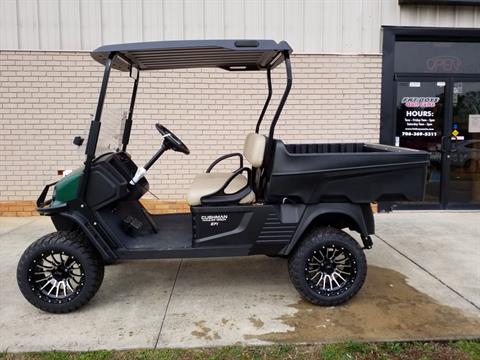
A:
(170, 141)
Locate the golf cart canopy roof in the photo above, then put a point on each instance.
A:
(232, 55)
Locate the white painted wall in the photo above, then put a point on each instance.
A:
(310, 26)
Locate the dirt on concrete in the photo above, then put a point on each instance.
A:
(204, 332)
(258, 323)
(386, 308)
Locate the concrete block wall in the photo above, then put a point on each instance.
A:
(46, 98)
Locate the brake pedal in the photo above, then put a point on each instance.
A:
(131, 225)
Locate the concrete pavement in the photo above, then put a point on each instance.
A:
(452, 252)
(423, 283)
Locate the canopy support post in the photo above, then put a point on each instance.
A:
(269, 147)
(267, 101)
(288, 68)
(129, 121)
(95, 128)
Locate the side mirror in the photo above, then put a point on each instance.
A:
(78, 140)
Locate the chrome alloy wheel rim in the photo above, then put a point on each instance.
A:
(330, 270)
(56, 277)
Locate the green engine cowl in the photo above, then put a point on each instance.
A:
(66, 189)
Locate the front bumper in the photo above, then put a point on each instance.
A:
(46, 207)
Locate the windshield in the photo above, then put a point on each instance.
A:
(111, 131)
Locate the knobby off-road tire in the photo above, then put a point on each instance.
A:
(60, 272)
(328, 267)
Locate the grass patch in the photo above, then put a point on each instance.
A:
(470, 347)
(458, 350)
(344, 351)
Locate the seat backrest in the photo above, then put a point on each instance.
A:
(254, 149)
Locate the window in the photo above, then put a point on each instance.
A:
(437, 57)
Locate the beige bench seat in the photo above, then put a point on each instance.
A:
(208, 183)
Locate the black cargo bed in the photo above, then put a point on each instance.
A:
(353, 172)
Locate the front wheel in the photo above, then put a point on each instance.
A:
(60, 272)
(328, 267)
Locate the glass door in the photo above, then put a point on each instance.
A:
(442, 116)
(463, 185)
(420, 124)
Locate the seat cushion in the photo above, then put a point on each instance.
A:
(208, 183)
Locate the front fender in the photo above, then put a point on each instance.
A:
(69, 220)
(360, 219)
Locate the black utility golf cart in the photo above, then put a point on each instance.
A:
(292, 200)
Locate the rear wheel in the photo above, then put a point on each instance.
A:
(328, 267)
(60, 272)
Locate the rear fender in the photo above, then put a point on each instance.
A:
(71, 221)
(357, 217)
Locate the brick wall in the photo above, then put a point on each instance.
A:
(46, 99)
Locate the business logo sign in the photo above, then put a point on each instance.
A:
(418, 117)
(420, 101)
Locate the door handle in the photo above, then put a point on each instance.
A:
(446, 144)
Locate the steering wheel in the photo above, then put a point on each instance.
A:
(171, 141)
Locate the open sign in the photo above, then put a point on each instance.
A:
(444, 64)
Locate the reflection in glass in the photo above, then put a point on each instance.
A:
(464, 184)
